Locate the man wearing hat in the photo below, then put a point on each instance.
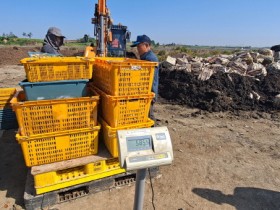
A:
(53, 40)
(143, 44)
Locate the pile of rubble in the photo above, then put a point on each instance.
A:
(243, 81)
(244, 63)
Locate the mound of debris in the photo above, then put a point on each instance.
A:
(245, 81)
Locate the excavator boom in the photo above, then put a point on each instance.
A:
(103, 31)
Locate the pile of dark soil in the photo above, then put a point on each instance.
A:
(222, 92)
(11, 55)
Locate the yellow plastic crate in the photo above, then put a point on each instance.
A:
(110, 134)
(47, 116)
(5, 96)
(5, 104)
(123, 76)
(125, 110)
(55, 180)
(7, 92)
(58, 146)
(57, 68)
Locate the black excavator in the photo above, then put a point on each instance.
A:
(110, 39)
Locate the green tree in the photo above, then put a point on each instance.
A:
(11, 35)
(29, 35)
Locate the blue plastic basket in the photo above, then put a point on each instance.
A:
(7, 114)
(54, 90)
(8, 119)
(6, 125)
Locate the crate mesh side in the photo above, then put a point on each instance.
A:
(122, 79)
(60, 71)
(46, 150)
(41, 119)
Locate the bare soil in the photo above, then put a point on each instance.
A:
(226, 159)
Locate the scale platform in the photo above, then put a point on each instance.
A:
(69, 189)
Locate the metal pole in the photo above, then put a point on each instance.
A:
(139, 189)
(102, 36)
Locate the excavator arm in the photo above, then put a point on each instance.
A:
(103, 27)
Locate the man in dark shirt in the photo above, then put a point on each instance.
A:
(143, 44)
(53, 40)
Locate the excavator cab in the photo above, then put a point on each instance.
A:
(116, 47)
(120, 36)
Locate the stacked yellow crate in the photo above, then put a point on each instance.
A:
(124, 86)
(43, 69)
(56, 129)
(7, 116)
(53, 132)
(59, 135)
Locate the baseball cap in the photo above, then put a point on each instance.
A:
(55, 31)
(141, 39)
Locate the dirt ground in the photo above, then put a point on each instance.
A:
(222, 160)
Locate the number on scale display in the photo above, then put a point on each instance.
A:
(135, 144)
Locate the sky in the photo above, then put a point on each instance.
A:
(253, 23)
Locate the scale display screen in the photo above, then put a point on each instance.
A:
(139, 143)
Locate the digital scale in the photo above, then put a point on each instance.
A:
(144, 148)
